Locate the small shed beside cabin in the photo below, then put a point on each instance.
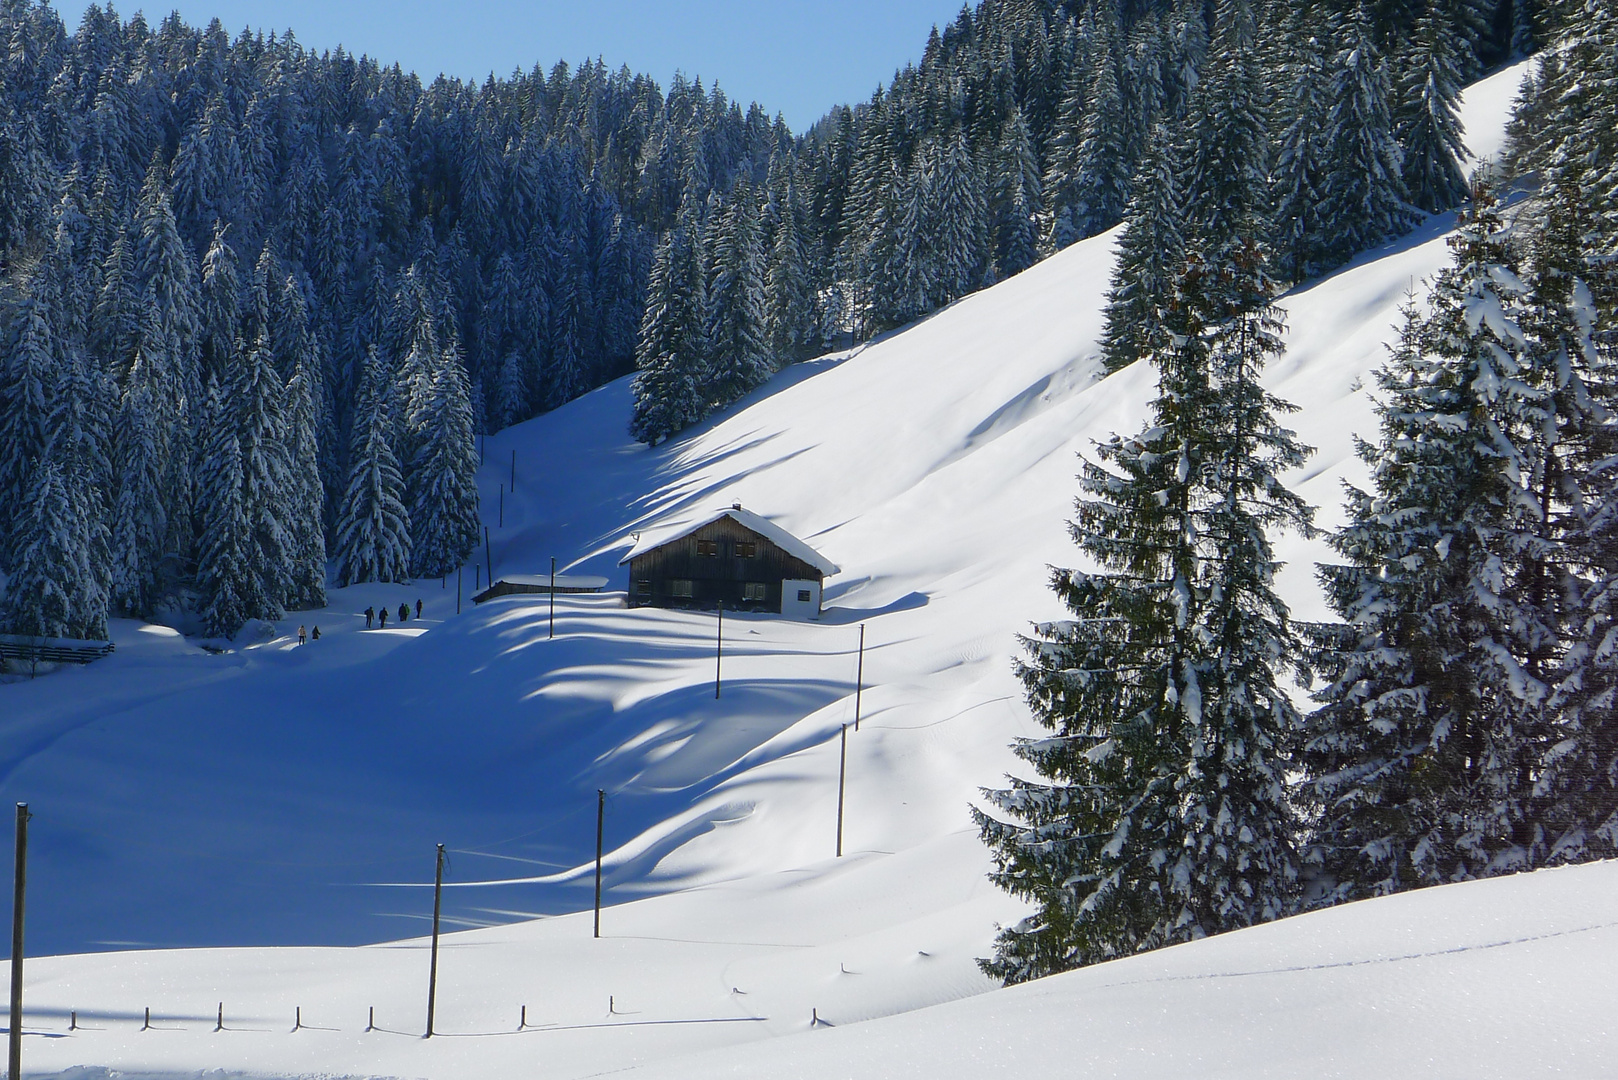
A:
(732, 557)
(517, 584)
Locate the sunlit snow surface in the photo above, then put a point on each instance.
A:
(286, 795)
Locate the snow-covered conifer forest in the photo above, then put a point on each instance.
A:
(1317, 300)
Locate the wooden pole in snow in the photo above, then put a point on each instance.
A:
(20, 889)
(488, 556)
(601, 814)
(842, 779)
(719, 649)
(432, 969)
(859, 679)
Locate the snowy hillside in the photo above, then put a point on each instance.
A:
(292, 796)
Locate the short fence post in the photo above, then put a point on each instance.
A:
(370, 1019)
(147, 1025)
(524, 1021)
(219, 1024)
(297, 1018)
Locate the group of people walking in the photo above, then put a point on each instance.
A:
(381, 616)
(373, 616)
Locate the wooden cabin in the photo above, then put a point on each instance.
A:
(733, 557)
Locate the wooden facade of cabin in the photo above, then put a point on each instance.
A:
(722, 562)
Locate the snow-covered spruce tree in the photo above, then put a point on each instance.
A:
(1151, 255)
(226, 579)
(443, 475)
(55, 588)
(140, 514)
(1225, 189)
(1575, 804)
(667, 390)
(1101, 190)
(221, 307)
(790, 317)
(1016, 194)
(373, 526)
(306, 503)
(257, 397)
(1418, 758)
(953, 231)
(738, 359)
(27, 374)
(1425, 120)
(1300, 157)
(1160, 812)
(1362, 191)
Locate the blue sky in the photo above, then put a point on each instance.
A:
(797, 57)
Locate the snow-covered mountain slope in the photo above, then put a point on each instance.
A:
(286, 795)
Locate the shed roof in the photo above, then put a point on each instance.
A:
(666, 532)
(563, 581)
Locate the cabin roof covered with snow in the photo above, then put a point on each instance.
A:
(669, 531)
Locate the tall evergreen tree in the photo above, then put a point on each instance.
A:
(738, 358)
(1161, 813)
(1413, 759)
(1151, 256)
(443, 477)
(226, 580)
(668, 394)
(1426, 121)
(55, 589)
(373, 526)
(1362, 192)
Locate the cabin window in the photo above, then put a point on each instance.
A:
(753, 590)
(803, 596)
(707, 547)
(746, 549)
(680, 588)
(643, 588)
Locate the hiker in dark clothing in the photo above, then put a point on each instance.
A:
(404, 612)
(382, 619)
(370, 614)
(418, 608)
(315, 634)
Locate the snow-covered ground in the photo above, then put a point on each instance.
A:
(285, 795)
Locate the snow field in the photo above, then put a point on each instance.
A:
(285, 795)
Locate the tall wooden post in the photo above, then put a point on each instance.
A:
(859, 679)
(842, 779)
(21, 888)
(719, 649)
(601, 814)
(488, 556)
(432, 970)
(553, 596)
